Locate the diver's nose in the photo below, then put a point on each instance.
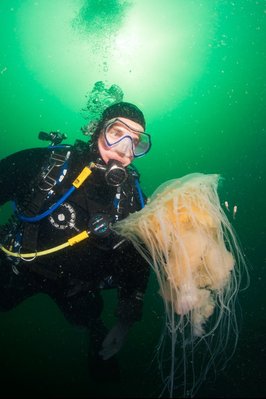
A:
(125, 147)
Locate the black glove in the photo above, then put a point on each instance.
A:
(114, 340)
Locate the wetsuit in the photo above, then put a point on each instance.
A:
(74, 276)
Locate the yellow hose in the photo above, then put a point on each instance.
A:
(70, 242)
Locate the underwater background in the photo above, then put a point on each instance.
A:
(197, 70)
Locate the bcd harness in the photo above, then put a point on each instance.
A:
(99, 225)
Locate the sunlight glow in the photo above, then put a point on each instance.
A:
(156, 54)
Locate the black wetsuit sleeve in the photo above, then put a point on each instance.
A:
(17, 170)
(134, 276)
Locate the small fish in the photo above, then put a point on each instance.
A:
(226, 205)
(234, 211)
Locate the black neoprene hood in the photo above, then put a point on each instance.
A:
(124, 110)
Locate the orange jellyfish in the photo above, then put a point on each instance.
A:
(189, 242)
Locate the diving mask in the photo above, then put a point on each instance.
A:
(119, 134)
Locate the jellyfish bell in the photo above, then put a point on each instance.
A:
(186, 237)
(182, 229)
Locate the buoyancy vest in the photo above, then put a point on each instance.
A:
(48, 185)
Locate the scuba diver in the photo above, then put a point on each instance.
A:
(59, 240)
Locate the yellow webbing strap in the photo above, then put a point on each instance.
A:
(81, 177)
(72, 241)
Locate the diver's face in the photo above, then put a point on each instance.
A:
(121, 145)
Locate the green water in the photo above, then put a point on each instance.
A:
(197, 70)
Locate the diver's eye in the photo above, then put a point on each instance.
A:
(136, 141)
(117, 131)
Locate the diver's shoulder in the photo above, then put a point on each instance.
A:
(26, 153)
(80, 146)
(133, 171)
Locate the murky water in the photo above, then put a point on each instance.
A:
(197, 70)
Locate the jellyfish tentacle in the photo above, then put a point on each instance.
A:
(189, 242)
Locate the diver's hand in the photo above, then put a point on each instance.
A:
(114, 340)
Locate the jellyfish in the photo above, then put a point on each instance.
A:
(193, 249)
